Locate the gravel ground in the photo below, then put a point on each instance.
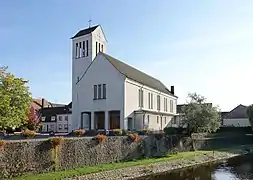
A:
(144, 170)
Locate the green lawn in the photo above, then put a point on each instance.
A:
(104, 167)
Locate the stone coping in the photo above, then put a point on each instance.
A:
(156, 168)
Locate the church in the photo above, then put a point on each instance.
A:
(110, 94)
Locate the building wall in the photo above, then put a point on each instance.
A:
(132, 102)
(49, 127)
(64, 123)
(243, 122)
(100, 72)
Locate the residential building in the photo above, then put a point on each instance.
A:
(56, 119)
(237, 117)
(110, 94)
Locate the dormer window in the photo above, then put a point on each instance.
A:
(53, 118)
(43, 118)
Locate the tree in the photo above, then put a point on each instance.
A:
(33, 121)
(250, 114)
(200, 116)
(15, 100)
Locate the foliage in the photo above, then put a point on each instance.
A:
(200, 116)
(79, 132)
(173, 130)
(28, 133)
(250, 114)
(15, 100)
(101, 138)
(117, 132)
(144, 132)
(33, 121)
(56, 141)
(134, 137)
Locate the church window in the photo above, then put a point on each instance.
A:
(96, 47)
(80, 49)
(158, 103)
(140, 98)
(104, 91)
(87, 48)
(99, 91)
(95, 91)
(83, 49)
(76, 50)
(102, 48)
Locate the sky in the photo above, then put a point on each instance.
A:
(197, 46)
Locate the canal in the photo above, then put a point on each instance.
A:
(238, 168)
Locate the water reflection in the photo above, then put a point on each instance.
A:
(239, 168)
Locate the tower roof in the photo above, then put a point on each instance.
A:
(85, 31)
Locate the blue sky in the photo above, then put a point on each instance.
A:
(198, 46)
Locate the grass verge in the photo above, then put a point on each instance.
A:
(105, 167)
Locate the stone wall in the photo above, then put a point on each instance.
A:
(37, 156)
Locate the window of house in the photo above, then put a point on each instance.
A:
(60, 118)
(66, 118)
(53, 118)
(65, 126)
(151, 100)
(99, 91)
(95, 91)
(87, 48)
(60, 127)
(76, 50)
(96, 47)
(104, 91)
(157, 119)
(80, 49)
(171, 106)
(51, 127)
(158, 103)
(140, 98)
(102, 48)
(43, 118)
(83, 49)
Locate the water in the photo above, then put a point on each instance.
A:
(239, 168)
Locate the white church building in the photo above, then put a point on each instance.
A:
(110, 94)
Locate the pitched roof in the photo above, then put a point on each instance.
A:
(85, 31)
(136, 75)
(238, 112)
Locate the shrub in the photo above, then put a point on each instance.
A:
(117, 132)
(2, 143)
(101, 138)
(79, 132)
(28, 133)
(124, 133)
(134, 137)
(56, 141)
(173, 130)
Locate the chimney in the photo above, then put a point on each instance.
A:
(172, 90)
(42, 103)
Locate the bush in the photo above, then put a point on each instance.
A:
(144, 132)
(117, 132)
(79, 132)
(28, 133)
(56, 141)
(101, 138)
(134, 137)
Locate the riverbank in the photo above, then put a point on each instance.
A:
(142, 167)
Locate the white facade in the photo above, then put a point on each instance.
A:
(236, 122)
(64, 123)
(120, 101)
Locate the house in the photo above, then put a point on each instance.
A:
(237, 117)
(56, 119)
(110, 94)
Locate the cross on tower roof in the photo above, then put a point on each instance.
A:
(90, 22)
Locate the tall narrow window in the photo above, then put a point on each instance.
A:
(99, 47)
(158, 103)
(95, 92)
(83, 49)
(87, 48)
(96, 47)
(80, 49)
(171, 106)
(151, 100)
(104, 91)
(102, 48)
(76, 50)
(157, 119)
(99, 91)
(140, 98)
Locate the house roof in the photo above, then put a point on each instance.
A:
(85, 31)
(223, 114)
(53, 111)
(238, 112)
(137, 75)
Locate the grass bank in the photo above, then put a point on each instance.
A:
(105, 167)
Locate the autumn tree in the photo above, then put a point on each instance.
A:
(15, 100)
(33, 121)
(200, 116)
(250, 114)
